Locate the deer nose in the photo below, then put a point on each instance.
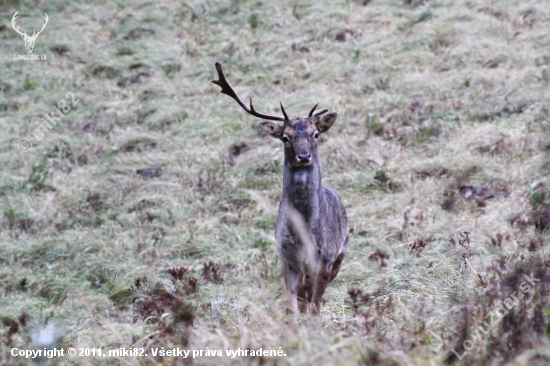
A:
(304, 157)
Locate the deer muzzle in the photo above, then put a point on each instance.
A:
(303, 156)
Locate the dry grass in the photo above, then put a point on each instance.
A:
(154, 170)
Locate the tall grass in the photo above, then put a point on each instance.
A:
(443, 129)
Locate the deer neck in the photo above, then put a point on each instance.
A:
(303, 188)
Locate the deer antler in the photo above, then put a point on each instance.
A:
(227, 89)
(13, 20)
(34, 34)
(43, 26)
(318, 113)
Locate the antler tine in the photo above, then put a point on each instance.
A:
(284, 113)
(13, 20)
(227, 89)
(312, 110)
(319, 112)
(46, 18)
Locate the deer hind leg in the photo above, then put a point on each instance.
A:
(336, 266)
(338, 261)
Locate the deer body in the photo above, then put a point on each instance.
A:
(312, 226)
(324, 225)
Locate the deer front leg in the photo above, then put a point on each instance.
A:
(304, 293)
(292, 282)
(319, 287)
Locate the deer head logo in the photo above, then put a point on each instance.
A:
(29, 40)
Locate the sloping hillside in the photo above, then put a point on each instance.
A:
(144, 216)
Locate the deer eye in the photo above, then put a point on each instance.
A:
(316, 134)
(285, 139)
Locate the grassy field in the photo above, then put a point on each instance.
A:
(144, 218)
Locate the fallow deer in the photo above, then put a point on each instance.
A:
(312, 227)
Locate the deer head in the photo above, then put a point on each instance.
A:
(299, 135)
(29, 40)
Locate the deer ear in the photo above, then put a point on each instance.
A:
(272, 129)
(325, 123)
